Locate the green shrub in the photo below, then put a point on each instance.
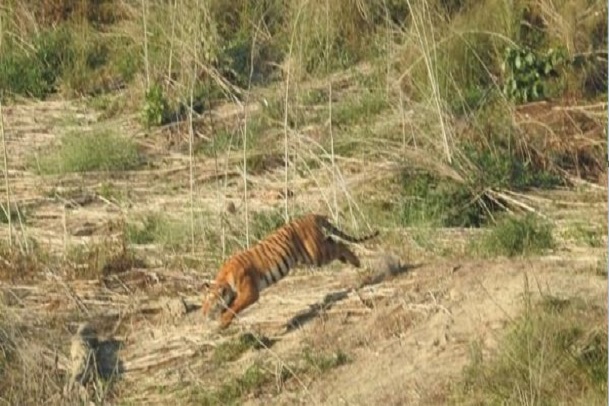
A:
(429, 199)
(79, 58)
(238, 23)
(527, 71)
(156, 109)
(518, 237)
(504, 167)
(97, 151)
(35, 73)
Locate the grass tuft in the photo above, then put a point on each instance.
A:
(322, 361)
(231, 350)
(97, 151)
(516, 237)
(253, 380)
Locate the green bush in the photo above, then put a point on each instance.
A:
(98, 151)
(527, 72)
(34, 73)
(238, 23)
(504, 167)
(79, 59)
(156, 110)
(517, 237)
(427, 198)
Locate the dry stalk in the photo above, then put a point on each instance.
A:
(433, 80)
(145, 27)
(6, 182)
(191, 170)
(172, 38)
(334, 202)
(245, 117)
(285, 112)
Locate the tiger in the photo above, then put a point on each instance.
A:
(306, 240)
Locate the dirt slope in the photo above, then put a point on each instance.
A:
(405, 337)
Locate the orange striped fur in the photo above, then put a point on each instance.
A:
(306, 240)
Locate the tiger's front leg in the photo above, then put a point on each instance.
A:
(247, 295)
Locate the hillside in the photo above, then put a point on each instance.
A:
(134, 164)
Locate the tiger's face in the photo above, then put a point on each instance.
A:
(218, 298)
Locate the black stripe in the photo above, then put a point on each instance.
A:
(284, 246)
(299, 250)
(269, 279)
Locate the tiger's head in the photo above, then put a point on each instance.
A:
(218, 298)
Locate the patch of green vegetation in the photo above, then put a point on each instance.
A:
(554, 353)
(156, 108)
(359, 109)
(109, 105)
(226, 140)
(590, 236)
(174, 233)
(34, 72)
(96, 151)
(108, 191)
(428, 199)
(222, 142)
(231, 350)
(263, 223)
(527, 72)
(254, 380)
(312, 97)
(516, 237)
(503, 167)
(75, 58)
(156, 228)
(152, 227)
(324, 361)
(260, 162)
(242, 53)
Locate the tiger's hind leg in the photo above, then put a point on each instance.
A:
(340, 251)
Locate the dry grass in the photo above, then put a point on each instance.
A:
(288, 108)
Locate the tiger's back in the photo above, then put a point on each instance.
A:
(300, 242)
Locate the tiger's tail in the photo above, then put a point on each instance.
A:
(325, 223)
